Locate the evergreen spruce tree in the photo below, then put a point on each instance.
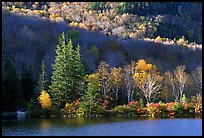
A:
(57, 83)
(42, 83)
(89, 100)
(66, 74)
(79, 72)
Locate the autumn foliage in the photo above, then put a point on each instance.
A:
(45, 100)
(147, 78)
(142, 71)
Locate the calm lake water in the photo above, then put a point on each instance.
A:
(115, 126)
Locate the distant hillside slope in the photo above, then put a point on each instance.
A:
(31, 40)
(136, 20)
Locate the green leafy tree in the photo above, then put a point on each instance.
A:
(141, 103)
(184, 99)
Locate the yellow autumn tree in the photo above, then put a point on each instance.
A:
(45, 100)
(103, 71)
(142, 70)
(115, 78)
(147, 79)
(93, 79)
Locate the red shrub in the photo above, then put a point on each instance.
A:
(169, 106)
(133, 103)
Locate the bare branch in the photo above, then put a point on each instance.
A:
(197, 79)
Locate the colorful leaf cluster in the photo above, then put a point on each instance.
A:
(107, 102)
(158, 109)
(71, 109)
(142, 70)
(45, 100)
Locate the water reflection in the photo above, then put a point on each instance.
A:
(81, 121)
(74, 122)
(45, 123)
(96, 126)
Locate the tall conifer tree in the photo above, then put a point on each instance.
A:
(78, 71)
(66, 77)
(42, 83)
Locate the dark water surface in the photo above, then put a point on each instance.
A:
(115, 126)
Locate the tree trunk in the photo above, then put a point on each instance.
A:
(129, 92)
(104, 90)
(148, 100)
(116, 93)
(181, 94)
(131, 97)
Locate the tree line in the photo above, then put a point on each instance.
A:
(106, 87)
(135, 81)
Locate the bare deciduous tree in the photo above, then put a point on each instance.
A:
(180, 79)
(197, 79)
(103, 70)
(169, 82)
(115, 79)
(151, 86)
(129, 70)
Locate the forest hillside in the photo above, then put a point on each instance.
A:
(116, 32)
(164, 34)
